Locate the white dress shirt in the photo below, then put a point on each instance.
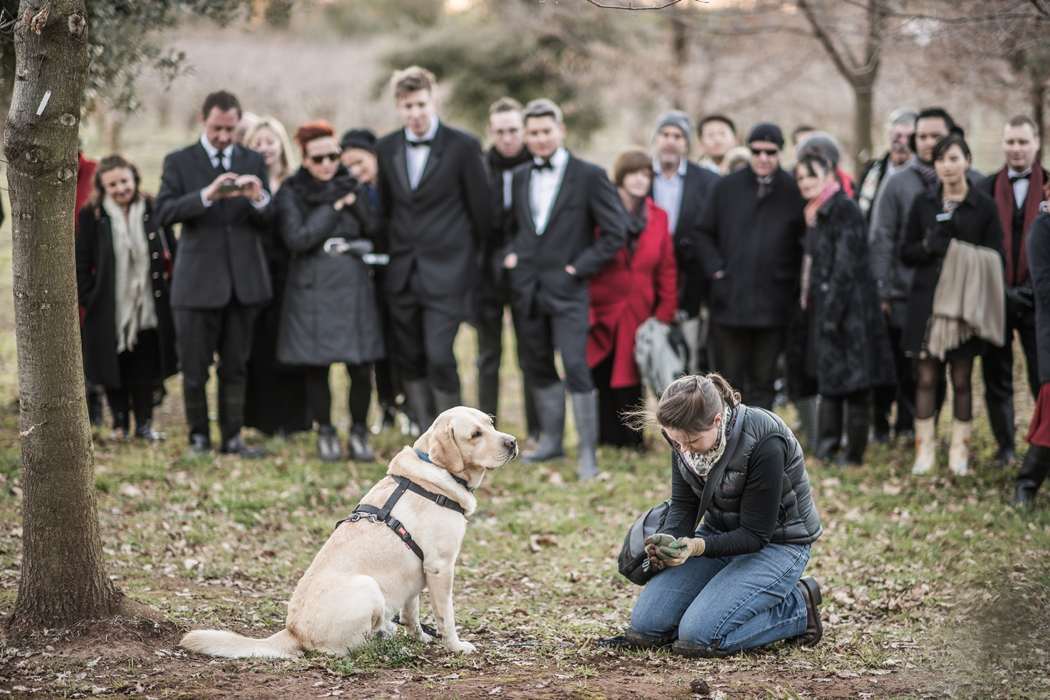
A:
(543, 188)
(1020, 186)
(417, 155)
(667, 192)
(225, 159)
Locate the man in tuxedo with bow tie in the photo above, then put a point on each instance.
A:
(435, 205)
(1018, 192)
(217, 190)
(567, 222)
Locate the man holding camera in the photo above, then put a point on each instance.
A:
(216, 189)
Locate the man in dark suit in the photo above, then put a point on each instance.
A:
(492, 295)
(434, 202)
(558, 204)
(216, 189)
(750, 244)
(1018, 192)
(681, 188)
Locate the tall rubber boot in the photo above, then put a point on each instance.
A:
(420, 401)
(532, 418)
(830, 427)
(925, 445)
(488, 394)
(585, 410)
(959, 452)
(1033, 472)
(550, 405)
(858, 422)
(809, 418)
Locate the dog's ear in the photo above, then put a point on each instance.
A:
(444, 449)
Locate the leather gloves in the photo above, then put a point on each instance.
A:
(664, 550)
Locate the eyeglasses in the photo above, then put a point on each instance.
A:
(771, 152)
(327, 156)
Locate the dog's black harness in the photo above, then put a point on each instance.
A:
(382, 515)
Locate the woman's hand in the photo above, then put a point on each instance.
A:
(664, 550)
(347, 201)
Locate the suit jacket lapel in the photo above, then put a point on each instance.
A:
(567, 180)
(401, 163)
(522, 194)
(203, 162)
(434, 159)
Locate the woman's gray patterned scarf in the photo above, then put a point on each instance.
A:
(701, 465)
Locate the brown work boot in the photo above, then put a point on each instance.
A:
(810, 590)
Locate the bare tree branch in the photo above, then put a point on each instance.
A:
(1042, 7)
(843, 60)
(662, 4)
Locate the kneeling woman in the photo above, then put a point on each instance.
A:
(733, 582)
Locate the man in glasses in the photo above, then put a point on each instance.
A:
(435, 205)
(750, 246)
(217, 190)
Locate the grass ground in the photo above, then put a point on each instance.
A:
(934, 586)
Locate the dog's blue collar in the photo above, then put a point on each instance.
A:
(426, 458)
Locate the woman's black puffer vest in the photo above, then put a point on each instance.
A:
(798, 521)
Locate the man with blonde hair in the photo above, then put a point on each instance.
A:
(434, 203)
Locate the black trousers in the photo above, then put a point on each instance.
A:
(564, 329)
(997, 365)
(424, 329)
(319, 393)
(612, 430)
(199, 335)
(387, 384)
(487, 318)
(139, 369)
(747, 358)
(903, 392)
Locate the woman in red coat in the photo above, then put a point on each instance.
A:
(639, 283)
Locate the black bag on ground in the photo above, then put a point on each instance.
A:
(634, 563)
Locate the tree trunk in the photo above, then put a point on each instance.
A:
(63, 572)
(1039, 112)
(863, 93)
(680, 53)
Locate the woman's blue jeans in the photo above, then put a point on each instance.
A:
(728, 603)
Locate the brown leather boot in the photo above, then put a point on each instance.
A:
(810, 590)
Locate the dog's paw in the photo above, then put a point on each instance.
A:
(421, 635)
(461, 647)
(386, 630)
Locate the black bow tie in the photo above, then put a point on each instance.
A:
(543, 165)
(420, 144)
(1025, 176)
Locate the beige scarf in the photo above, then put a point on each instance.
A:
(701, 465)
(133, 289)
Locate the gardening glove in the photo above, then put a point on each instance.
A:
(665, 551)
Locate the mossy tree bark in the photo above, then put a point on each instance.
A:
(63, 572)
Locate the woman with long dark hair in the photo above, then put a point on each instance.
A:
(735, 581)
(124, 263)
(329, 312)
(954, 213)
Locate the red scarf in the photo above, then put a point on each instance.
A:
(820, 200)
(1004, 200)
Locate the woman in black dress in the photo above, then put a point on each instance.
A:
(953, 211)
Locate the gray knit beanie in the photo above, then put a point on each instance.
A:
(675, 118)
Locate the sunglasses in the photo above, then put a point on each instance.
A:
(317, 160)
(764, 152)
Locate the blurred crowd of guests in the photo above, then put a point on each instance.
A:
(847, 296)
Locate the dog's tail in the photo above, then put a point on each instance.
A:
(282, 645)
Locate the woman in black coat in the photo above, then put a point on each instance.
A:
(1036, 463)
(847, 348)
(954, 210)
(124, 262)
(329, 313)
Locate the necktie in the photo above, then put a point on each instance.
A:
(418, 144)
(219, 164)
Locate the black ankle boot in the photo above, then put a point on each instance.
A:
(858, 422)
(830, 428)
(1031, 475)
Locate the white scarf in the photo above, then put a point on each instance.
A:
(132, 285)
(702, 464)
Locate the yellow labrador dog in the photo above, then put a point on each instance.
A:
(366, 571)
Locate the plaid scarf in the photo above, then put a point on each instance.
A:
(928, 172)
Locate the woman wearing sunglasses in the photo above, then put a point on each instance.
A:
(329, 312)
(733, 582)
